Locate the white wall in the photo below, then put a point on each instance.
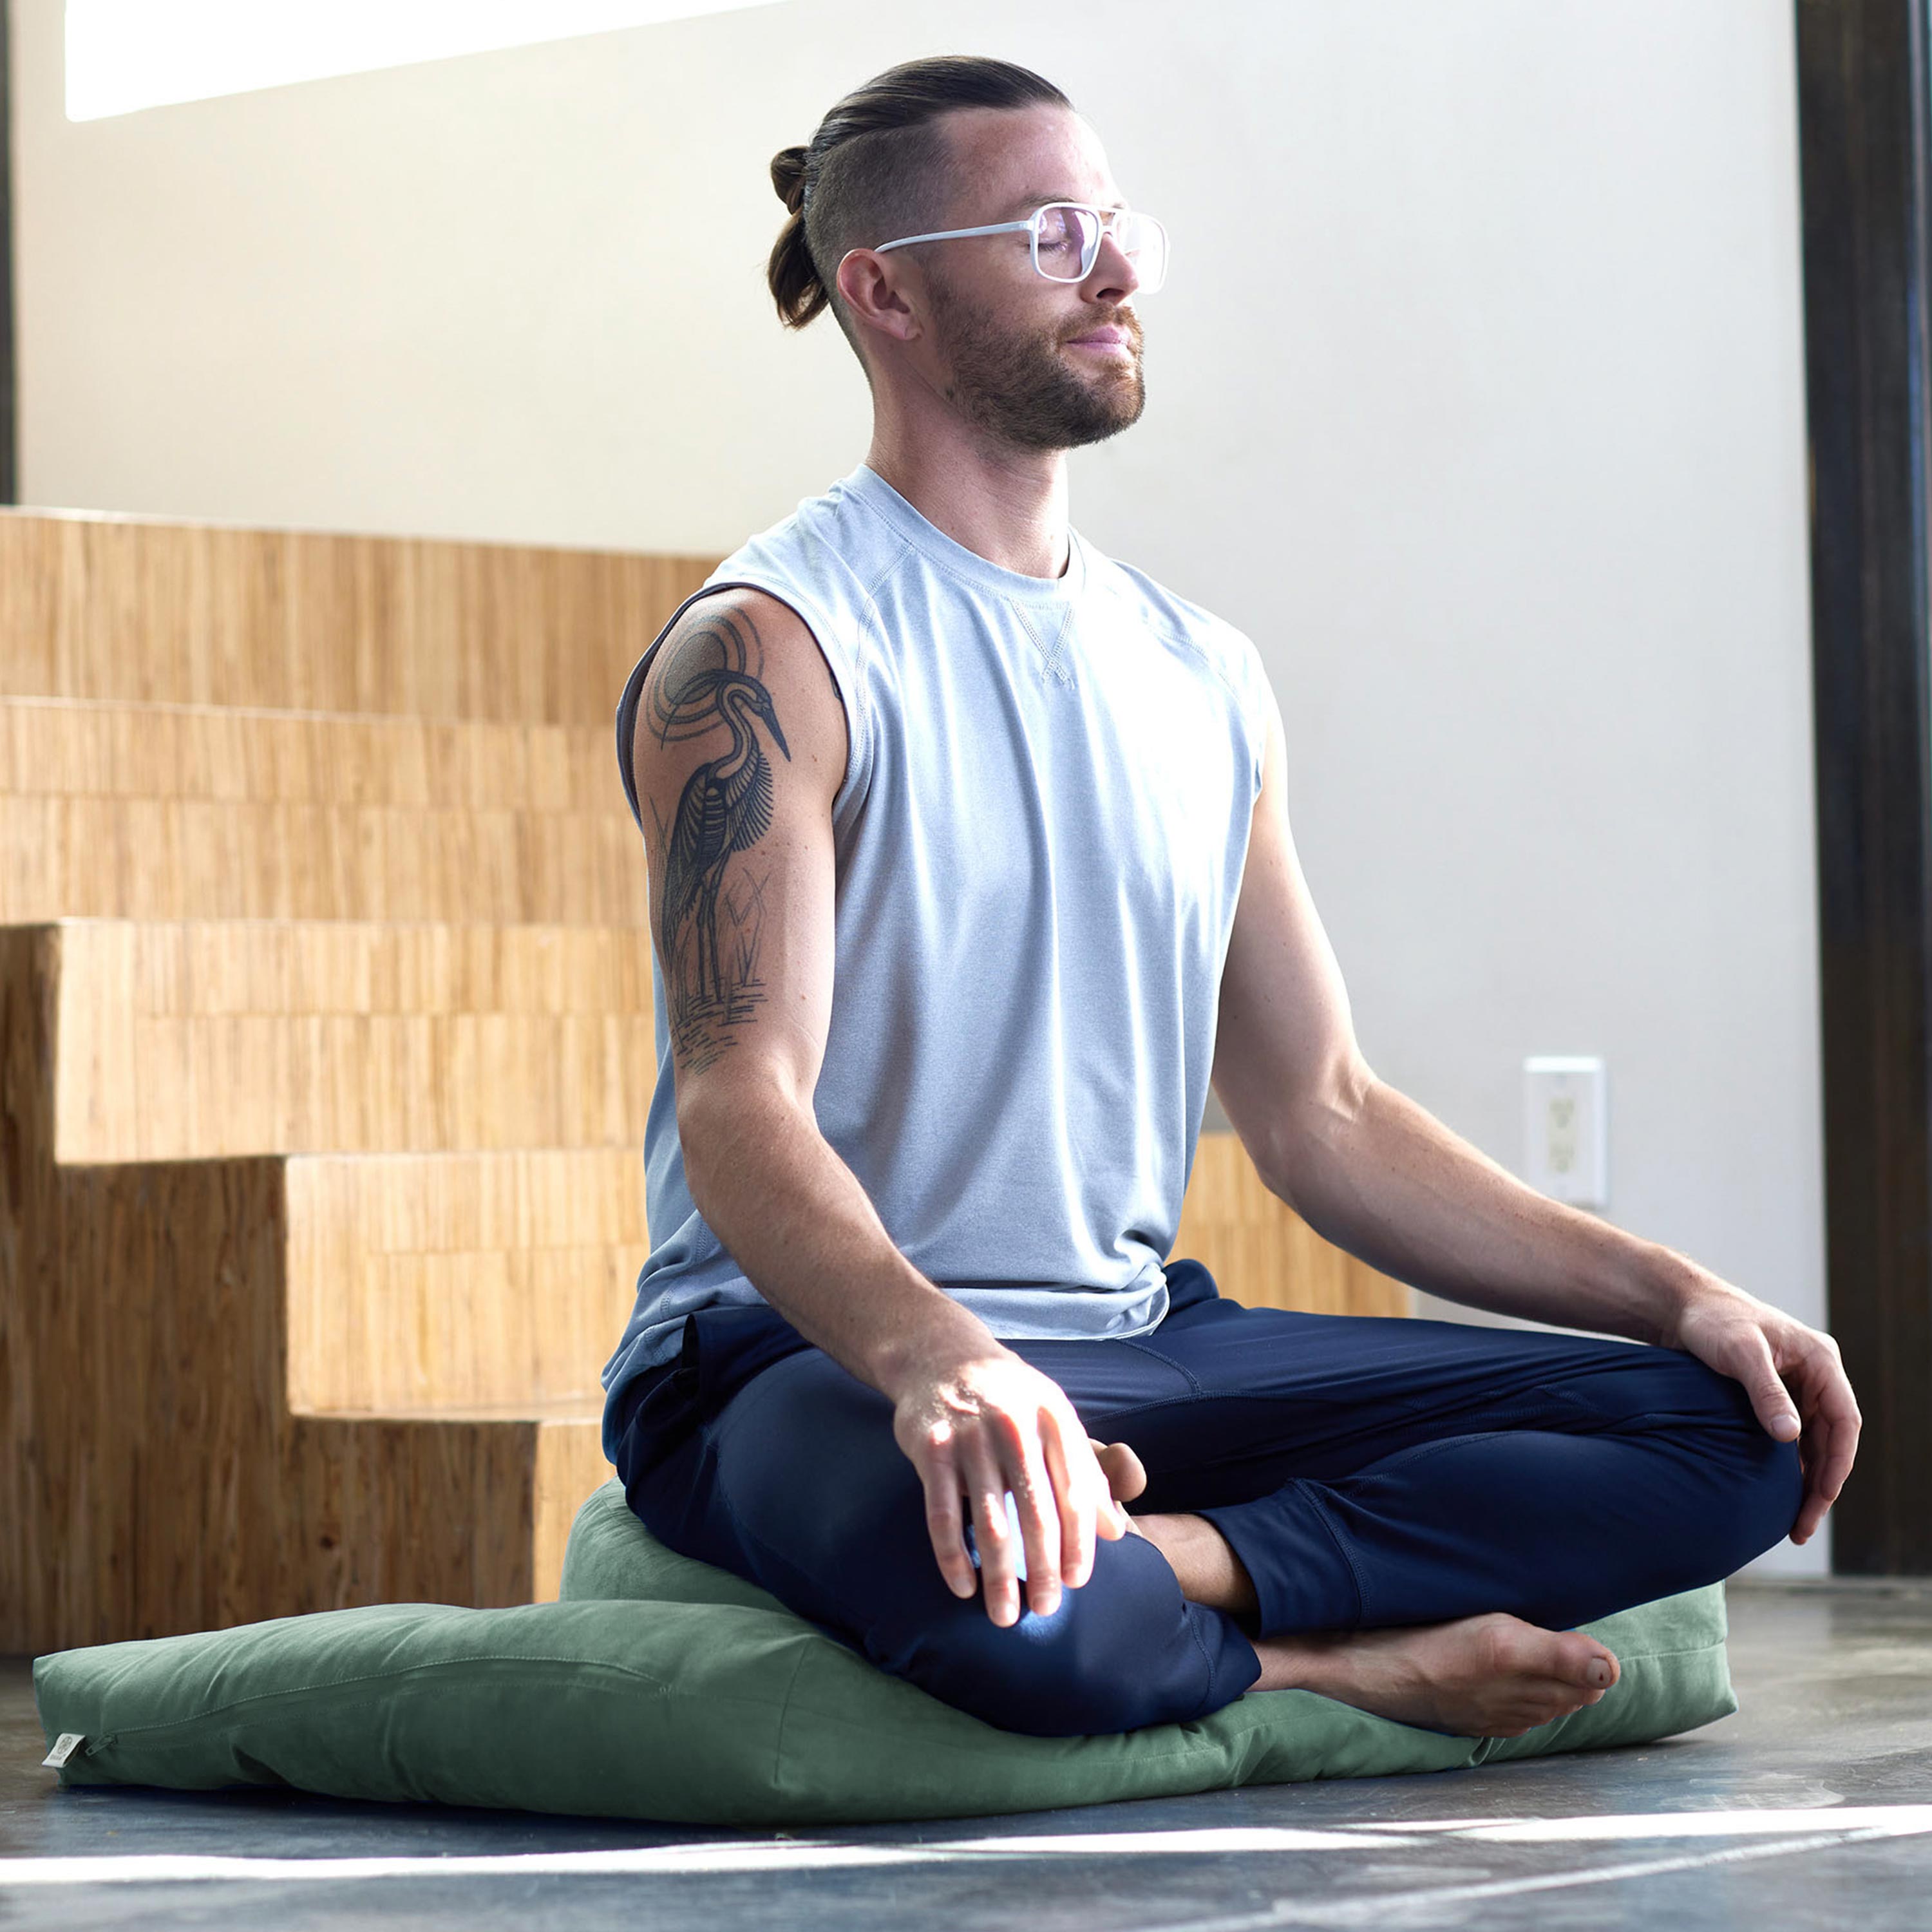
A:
(1475, 395)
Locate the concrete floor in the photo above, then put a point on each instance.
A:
(1812, 1807)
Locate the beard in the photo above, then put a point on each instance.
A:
(1030, 390)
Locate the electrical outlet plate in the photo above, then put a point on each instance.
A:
(1566, 1128)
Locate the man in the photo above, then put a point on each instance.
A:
(969, 862)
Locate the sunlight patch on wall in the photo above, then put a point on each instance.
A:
(123, 55)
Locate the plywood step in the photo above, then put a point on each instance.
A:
(158, 811)
(477, 1285)
(132, 607)
(243, 1387)
(1262, 1252)
(197, 1039)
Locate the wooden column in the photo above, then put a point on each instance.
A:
(1863, 81)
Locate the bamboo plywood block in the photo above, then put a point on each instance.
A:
(127, 608)
(47, 1371)
(170, 859)
(57, 748)
(570, 1465)
(467, 1283)
(193, 1040)
(384, 1511)
(156, 812)
(153, 1477)
(1261, 1252)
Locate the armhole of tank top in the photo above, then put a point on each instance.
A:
(1260, 704)
(1246, 679)
(627, 719)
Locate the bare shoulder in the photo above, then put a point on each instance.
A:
(740, 653)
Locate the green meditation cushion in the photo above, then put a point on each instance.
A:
(660, 1688)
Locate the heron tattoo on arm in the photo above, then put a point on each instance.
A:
(707, 934)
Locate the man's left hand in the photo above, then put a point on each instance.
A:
(1792, 1374)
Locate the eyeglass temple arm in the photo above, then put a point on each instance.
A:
(947, 234)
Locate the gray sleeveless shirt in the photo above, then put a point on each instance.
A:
(1039, 843)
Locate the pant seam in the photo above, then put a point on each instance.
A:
(1167, 1361)
(1197, 1393)
(1348, 1557)
(1207, 1662)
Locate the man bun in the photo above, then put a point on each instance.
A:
(788, 177)
(791, 273)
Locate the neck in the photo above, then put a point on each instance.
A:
(1008, 506)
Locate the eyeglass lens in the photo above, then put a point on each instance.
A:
(1070, 239)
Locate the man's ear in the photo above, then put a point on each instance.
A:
(869, 285)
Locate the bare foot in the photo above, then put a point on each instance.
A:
(1207, 1569)
(1488, 1676)
(1203, 1564)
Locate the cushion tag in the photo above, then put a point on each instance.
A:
(65, 1745)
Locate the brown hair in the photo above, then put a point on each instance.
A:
(879, 167)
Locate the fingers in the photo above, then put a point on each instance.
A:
(1037, 1503)
(1817, 1499)
(1126, 1474)
(1000, 1549)
(1814, 1453)
(1008, 1443)
(1044, 1542)
(1770, 1399)
(1073, 1500)
(1077, 1491)
(1795, 1380)
(1830, 1443)
(1110, 1520)
(944, 1523)
(1033, 1554)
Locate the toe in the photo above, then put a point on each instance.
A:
(1584, 1662)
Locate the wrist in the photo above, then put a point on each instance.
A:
(934, 1335)
(1674, 1284)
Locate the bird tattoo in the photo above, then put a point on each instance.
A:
(724, 807)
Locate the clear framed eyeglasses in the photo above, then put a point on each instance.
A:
(1066, 238)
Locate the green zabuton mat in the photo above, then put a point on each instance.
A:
(660, 1688)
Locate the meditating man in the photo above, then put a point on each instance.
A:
(969, 868)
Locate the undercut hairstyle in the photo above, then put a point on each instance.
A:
(880, 167)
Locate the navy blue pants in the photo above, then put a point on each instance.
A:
(1367, 1472)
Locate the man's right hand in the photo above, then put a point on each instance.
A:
(987, 1424)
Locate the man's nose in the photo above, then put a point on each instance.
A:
(1113, 266)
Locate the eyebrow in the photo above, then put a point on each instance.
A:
(1034, 197)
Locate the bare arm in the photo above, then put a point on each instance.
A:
(1371, 1172)
(740, 749)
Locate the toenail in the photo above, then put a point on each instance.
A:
(1599, 1675)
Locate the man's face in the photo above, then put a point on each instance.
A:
(1005, 338)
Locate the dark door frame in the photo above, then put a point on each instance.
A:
(1862, 83)
(10, 491)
